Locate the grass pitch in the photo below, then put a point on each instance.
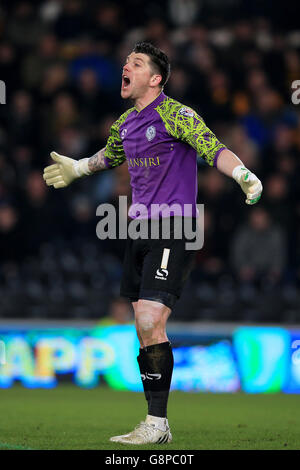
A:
(68, 417)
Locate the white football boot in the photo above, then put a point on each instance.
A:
(147, 432)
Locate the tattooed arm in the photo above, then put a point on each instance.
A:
(96, 162)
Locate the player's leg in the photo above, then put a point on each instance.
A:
(156, 357)
(156, 363)
(150, 320)
(165, 269)
(130, 287)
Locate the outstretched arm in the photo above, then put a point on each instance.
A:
(188, 126)
(66, 170)
(229, 164)
(185, 124)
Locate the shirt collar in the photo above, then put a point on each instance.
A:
(153, 103)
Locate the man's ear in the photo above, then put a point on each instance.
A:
(155, 80)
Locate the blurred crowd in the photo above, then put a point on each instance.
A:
(234, 63)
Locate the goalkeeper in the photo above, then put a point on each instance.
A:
(160, 139)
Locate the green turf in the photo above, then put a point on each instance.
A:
(72, 418)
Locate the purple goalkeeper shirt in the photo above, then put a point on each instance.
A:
(160, 144)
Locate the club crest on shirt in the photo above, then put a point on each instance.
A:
(186, 112)
(150, 133)
(123, 133)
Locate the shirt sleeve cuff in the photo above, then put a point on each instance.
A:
(217, 156)
(107, 162)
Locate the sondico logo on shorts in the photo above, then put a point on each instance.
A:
(149, 376)
(162, 272)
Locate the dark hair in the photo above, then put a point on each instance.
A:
(159, 60)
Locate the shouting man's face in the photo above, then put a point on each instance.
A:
(138, 76)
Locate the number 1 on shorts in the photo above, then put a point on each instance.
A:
(165, 258)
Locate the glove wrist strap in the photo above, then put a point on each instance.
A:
(81, 167)
(238, 172)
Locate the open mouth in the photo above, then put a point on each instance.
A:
(126, 81)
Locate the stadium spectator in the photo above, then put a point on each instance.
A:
(120, 313)
(24, 28)
(35, 63)
(259, 250)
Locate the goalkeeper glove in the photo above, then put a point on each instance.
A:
(249, 183)
(65, 170)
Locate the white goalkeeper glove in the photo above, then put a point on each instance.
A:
(249, 183)
(65, 170)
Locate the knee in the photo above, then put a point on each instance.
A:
(146, 321)
(148, 317)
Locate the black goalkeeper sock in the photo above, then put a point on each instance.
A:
(143, 369)
(158, 362)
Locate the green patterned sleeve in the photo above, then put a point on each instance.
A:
(185, 124)
(114, 154)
